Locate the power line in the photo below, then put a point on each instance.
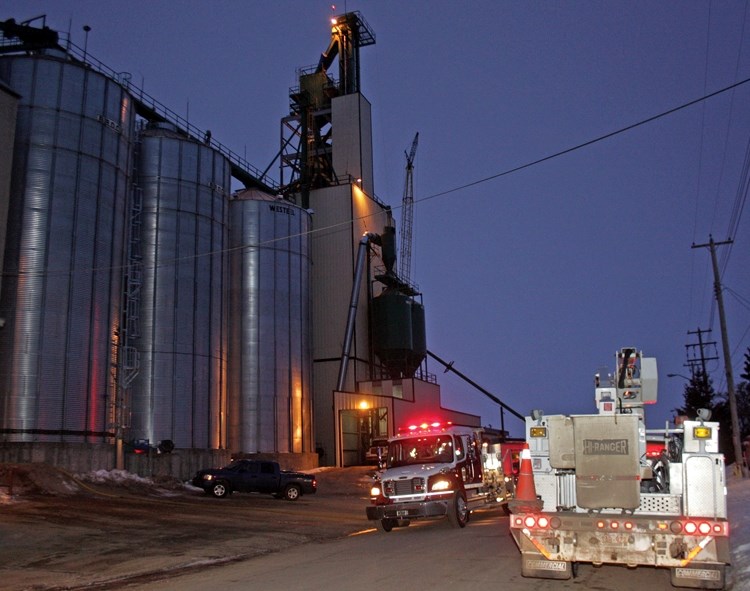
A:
(589, 142)
(486, 179)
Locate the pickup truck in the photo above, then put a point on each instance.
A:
(259, 476)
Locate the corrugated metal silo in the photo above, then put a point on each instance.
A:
(270, 365)
(64, 253)
(179, 393)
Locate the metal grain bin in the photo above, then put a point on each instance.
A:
(398, 327)
(63, 266)
(270, 406)
(418, 336)
(179, 393)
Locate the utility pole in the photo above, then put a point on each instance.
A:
(739, 469)
(692, 360)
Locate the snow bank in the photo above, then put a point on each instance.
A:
(738, 502)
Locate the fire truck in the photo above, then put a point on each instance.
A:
(440, 469)
(605, 490)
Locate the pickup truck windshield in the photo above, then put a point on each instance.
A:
(430, 449)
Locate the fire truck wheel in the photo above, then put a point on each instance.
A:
(458, 511)
(385, 525)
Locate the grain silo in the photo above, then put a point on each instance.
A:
(398, 325)
(179, 393)
(270, 365)
(62, 292)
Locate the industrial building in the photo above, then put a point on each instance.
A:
(157, 320)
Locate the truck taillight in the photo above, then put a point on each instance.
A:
(615, 525)
(536, 522)
(703, 528)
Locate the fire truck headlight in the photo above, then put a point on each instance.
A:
(441, 485)
(375, 491)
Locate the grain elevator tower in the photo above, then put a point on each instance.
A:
(327, 167)
(367, 327)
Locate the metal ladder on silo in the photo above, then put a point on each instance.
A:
(134, 282)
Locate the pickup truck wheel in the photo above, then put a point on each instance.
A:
(292, 492)
(458, 511)
(385, 525)
(220, 490)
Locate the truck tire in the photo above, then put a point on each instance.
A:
(385, 525)
(220, 489)
(292, 492)
(458, 511)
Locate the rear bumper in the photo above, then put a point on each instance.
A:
(417, 510)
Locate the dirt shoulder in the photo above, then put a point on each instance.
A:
(58, 531)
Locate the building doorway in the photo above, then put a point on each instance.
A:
(358, 430)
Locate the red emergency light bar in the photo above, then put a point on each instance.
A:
(654, 449)
(425, 426)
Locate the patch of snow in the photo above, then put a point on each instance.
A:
(113, 477)
(738, 501)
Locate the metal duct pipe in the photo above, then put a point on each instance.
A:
(349, 332)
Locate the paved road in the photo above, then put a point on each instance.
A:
(423, 556)
(136, 540)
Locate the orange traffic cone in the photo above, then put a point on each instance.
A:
(525, 499)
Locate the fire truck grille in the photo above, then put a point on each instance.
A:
(405, 487)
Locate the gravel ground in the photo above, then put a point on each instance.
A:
(105, 530)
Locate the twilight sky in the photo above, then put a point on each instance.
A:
(532, 279)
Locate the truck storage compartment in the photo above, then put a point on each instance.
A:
(607, 466)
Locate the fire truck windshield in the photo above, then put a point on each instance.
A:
(427, 449)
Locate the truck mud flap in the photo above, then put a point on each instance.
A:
(537, 566)
(699, 576)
